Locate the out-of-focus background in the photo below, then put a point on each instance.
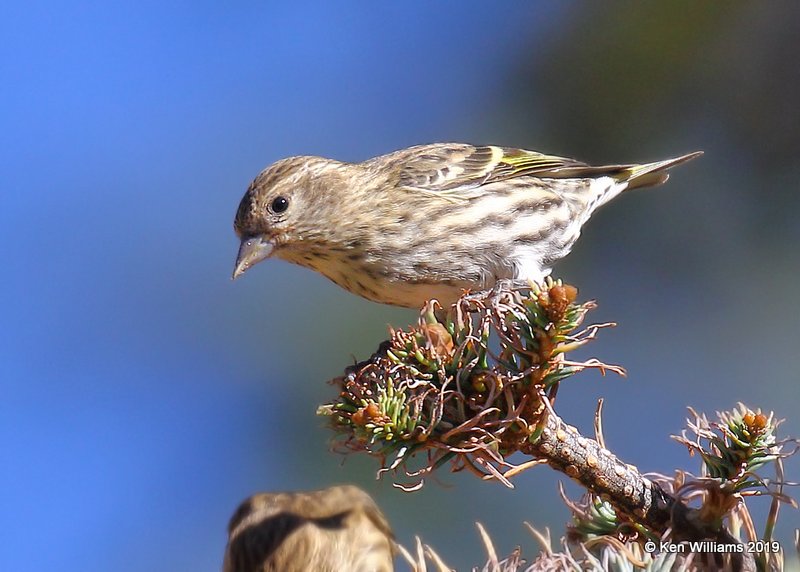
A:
(143, 394)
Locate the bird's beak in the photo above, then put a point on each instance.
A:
(253, 250)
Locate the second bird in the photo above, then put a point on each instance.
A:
(429, 221)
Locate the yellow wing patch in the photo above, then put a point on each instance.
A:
(518, 162)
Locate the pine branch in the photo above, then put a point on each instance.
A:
(471, 386)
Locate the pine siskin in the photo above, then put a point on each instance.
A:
(338, 529)
(429, 221)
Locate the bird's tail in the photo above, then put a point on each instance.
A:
(651, 174)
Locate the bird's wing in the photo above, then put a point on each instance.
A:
(458, 171)
(455, 171)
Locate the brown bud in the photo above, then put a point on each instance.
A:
(755, 422)
(558, 300)
(440, 338)
(368, 413)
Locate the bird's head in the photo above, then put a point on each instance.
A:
(280, 208)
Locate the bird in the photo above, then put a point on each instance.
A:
(337, 529)
(429, 221)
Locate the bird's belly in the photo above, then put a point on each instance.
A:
(411, 281)
(415, 295)
(382, 285)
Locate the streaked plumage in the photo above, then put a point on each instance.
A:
(429, 221)
(338, 529)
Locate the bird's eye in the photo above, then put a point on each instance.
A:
(279, 205)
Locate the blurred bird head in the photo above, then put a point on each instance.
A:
(338, 528)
